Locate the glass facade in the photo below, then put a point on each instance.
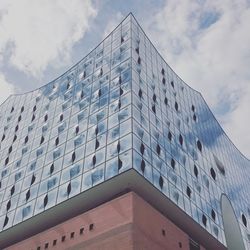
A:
(121, 107)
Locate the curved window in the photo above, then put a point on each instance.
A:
(143, 165)
(213, 174)
(161, 182)
(181, 139)
(173, 163)
(169, 136)
(188, 191)
(8, 205)
(204, 220)
(213, 214)
(176, 106)
(6, 220)
(244, 220)
(199, 145)
(219, 165)
(27, 195)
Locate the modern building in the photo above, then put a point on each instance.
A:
(119, 153)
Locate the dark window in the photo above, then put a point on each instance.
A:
(140, 93)
(42, 140)
(163, 232)
(91, 227)
(173, 163)
(16, 128)
(143, 165)
(154, 97)
(54, 242)
(81, 230)
(161, 182)
(166, 101)
(163, 71)
(73, 157)
(164, 80)
(94, 160)
(12, 191)
(82, 94)
(61, 117)
(19, 118)
(196, 171)
(199, 145)
(51, 170)
(12, 109)
(180, 245)
(181, 139)
(119, 163)
(137, 50)
(219, 165)
(169, 136)
(45, 201)
(69, 188)
(15, 137)
(57, 141)
(6, 160)
(118, 147)
(213, 174)
(96, 130)
(46, 117)
(176, 106)
(204, 220)
(10, 149)
(193, 108)
(3, 137)
(142, 149)
(22, 109)
(27, 195)
(33, 179)
(34, 108)
(97, 144)
(63, 238)
(8, 205)
(38, 248)
(139, 60)
(188, 191)
(244, 220)
(46, 245)
(26, 139)
(77, 129)
(194, 117)
(213, 214)
(158, 149)
(99, 93)
(153, 108)
(6, 220)
(172, 84)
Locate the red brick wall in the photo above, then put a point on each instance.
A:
(125, 223)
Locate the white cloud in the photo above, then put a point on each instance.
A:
(6, 88)
(40, 33)
(207, 43)
(112, 24)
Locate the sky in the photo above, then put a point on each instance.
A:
(206, 42)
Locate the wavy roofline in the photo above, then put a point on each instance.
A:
(131, 14)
